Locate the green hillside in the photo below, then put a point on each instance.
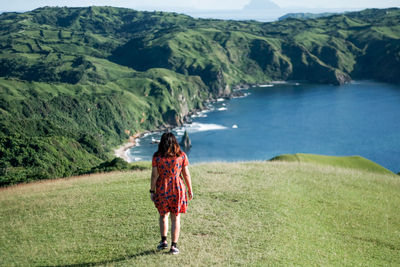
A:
(76, 82)
(252, 214)
(306, 15)
(352, 162)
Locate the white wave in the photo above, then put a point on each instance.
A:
(234, 126)
(201, 127)
(220, 99)
(200, 115)
(180, 131)
(154, 140)
(279, 82)
(224, 104)
(242, 96)
(127, 156)
(137, 142)
(209, 107)
(266, 85)
(222, 109)
(203, 113)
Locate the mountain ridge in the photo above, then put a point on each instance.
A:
(77, 81)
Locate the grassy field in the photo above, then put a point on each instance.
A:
(255, 213)
(352, 162)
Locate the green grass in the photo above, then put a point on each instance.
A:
(256, 213)
(352, 162)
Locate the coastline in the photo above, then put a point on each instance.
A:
(122, 150)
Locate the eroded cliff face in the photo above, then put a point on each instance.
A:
(173, 118)
(380, 61)
(213, 77)
(308, 67)
(224, 60)
(177, 117)
(342, 77)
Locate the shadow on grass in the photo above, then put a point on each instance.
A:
(128, 257)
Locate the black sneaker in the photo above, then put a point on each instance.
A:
(174, 250)
(162, 245)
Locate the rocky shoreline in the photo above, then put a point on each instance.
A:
(122, 150)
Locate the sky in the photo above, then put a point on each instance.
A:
(192, 6)
(16, 5)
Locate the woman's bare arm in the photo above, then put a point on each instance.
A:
(188, 181)
(154, 177)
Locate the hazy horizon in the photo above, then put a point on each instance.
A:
(262, 10)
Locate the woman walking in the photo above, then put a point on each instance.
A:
(168, 190)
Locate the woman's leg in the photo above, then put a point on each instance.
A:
(176, 226)
(164, 225)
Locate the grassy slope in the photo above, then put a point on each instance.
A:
(269, 213)
(82, 80)
(352, 162)
(76, 101)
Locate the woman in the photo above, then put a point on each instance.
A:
(167, 190)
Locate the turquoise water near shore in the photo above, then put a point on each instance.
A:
(361, 118)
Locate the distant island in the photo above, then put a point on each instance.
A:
(77, 82)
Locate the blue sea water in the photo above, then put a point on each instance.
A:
(361, 118)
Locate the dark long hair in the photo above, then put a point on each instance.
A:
(168, 146)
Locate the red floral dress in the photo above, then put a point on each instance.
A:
(170, 193)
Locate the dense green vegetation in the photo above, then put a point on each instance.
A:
(306, 15)
(75, 82)
(252, 214)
